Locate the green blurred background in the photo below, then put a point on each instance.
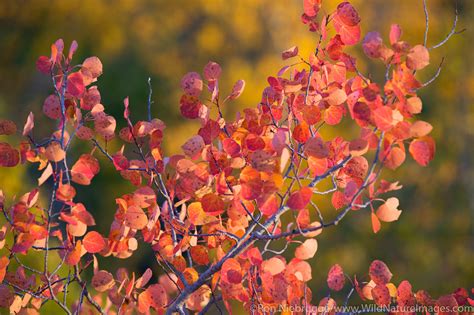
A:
(432, 243)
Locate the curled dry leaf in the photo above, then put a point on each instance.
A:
(30, 123)
(289, 53)
(237, 89)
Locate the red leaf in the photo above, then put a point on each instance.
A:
(7, 127)
(422, 150)
(381, 295)
(44, 64)
(9, 156)
(85, 169)
(212, 71)
(93, 242)
(311, 7)
(348, 14)
(300, 199)
(52, 107)
(395, 33)
(379, 272)
(336, 278)
(316, 147)
(350, 35)
(191, 84)
(75, 84)
(231, 271)
(372, 44)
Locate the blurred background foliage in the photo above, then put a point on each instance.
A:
(432, 243)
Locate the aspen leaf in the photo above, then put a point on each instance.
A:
(383, 118)
(212, 71)
(193, 146)
(350, 35)
(395, 158)
(237, 89)
(289, 53)
(9, 156)
(73, 256)
(135, 218)
(381, 295)
(7, 127)
(315, 147)
(379, 272)
(348, 14)
(307, 250)
(372, 44)
(422, 150)
(336, 278)
(395, 33)
(199, 254)
(75, 84)
(300, 199)
(212, 204)
(273, 265)
(358, 147)
(54, 152)
(30, 123)
(418, 57)
(420, 128)
(52, 107)
(102, 281)
(93, 242)
(388, 212)
(404, 294)
(143, 280)
(85, 169)
(231, 271)
(375, 222)
(301, 132)
(311, 7)
(192, 84)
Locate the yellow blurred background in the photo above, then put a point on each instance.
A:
(431, 245)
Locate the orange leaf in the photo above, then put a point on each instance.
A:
(388, 212)
(422, 150)
(93, 242)
(135, 218)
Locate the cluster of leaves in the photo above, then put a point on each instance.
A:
(212, 212)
